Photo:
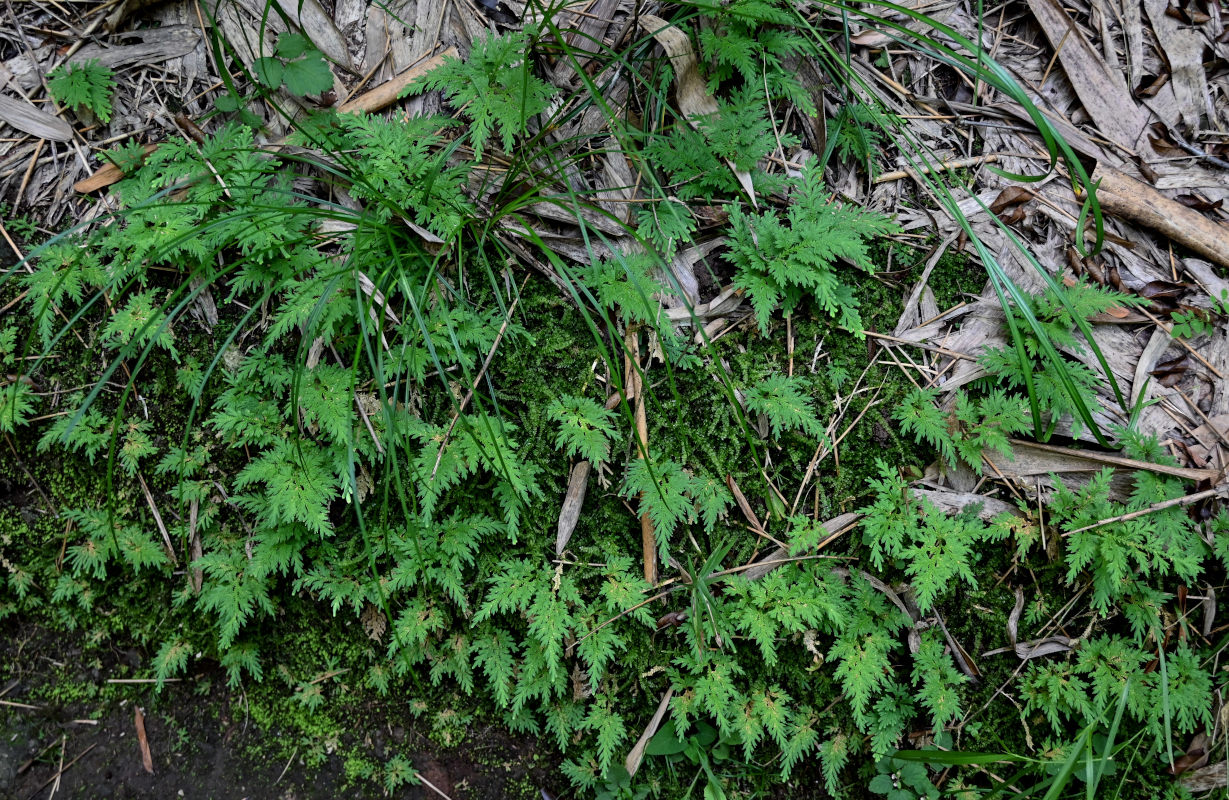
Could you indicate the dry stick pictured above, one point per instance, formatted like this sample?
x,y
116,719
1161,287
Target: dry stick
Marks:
x,y
166,537
431,786
773,563
1134,200
836,453
1177,501
944,166
55,787
897,363
478,378
286,768
63,768
622,614
386,93
820,454
756,526
30,761
943,351
25,179
635,378
19,297
15,704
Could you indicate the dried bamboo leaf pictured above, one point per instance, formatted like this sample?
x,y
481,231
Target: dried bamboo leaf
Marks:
x,y
690,88
573,502
636,756
1183,47
1032,459
1102,91
835,527
156,45
950,502
23,116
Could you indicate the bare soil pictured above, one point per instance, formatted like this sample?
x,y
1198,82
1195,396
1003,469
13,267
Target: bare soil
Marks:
x,y
203,747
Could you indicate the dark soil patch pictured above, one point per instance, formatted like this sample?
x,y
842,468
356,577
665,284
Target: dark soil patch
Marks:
x,y
203,746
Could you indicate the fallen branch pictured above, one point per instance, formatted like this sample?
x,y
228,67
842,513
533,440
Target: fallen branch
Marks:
x,y
1123,196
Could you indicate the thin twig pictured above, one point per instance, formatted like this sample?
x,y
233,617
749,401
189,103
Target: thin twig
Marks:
x,y
166,537
931,347
478,378
431,786
942,167
635,378
1164,504
15,704
1183,342
63,768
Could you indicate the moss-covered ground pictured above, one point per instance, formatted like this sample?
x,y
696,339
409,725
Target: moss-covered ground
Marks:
x,y
312,727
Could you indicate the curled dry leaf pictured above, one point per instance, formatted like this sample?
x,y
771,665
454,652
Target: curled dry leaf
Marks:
x,y
1169,373
1011,196
961,656
1195,757
1035,648
692,92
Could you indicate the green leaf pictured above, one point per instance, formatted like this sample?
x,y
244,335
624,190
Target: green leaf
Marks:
x,y
308,75
665,742
16,404
794,257
585,427
86,85
784,400
495,86
293,45
171,660
268,70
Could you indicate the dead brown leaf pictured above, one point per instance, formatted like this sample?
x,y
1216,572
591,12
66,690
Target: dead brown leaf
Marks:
x,y
147,758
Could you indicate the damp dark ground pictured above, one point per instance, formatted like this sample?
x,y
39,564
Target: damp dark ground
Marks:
x,y
61,719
